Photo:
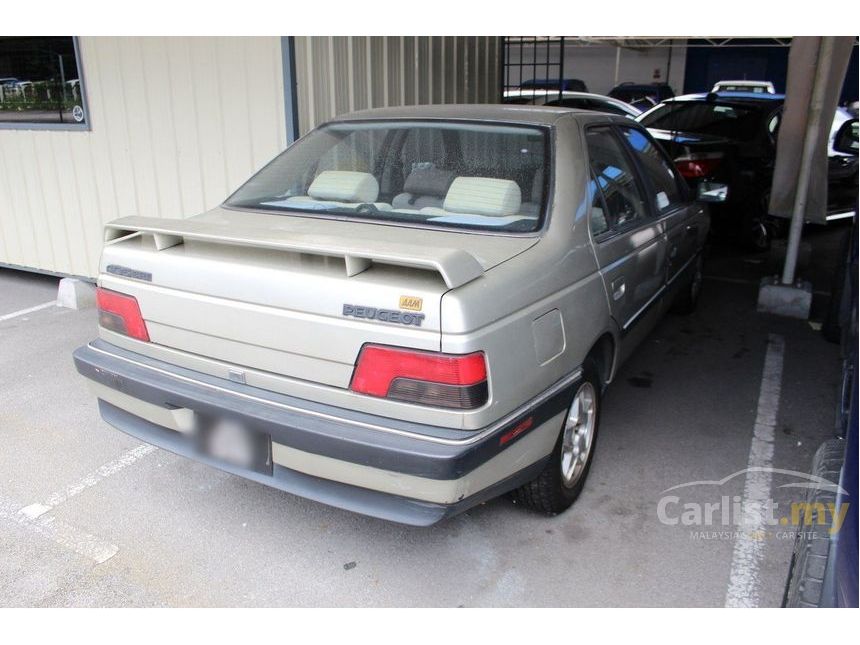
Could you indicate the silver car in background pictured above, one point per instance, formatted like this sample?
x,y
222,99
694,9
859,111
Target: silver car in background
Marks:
x,y
573,100
408,312
756,87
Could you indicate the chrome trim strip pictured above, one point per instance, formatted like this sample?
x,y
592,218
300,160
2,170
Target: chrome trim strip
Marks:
x,y
546,394
682,269
658,293
651,300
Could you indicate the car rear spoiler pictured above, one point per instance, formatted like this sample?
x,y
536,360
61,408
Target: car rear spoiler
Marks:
x,y
456,266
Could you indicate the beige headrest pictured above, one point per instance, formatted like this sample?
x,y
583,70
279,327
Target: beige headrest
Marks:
x,y
344,186
483,196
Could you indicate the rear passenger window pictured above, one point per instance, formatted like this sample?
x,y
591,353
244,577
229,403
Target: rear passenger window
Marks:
x,y
667,193
359,153
599,223
615,179
421,148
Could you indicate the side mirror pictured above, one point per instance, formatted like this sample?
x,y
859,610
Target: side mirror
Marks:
x,y
712,192
845,140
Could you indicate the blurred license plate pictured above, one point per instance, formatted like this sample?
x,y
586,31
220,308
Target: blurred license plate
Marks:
x,y
234,443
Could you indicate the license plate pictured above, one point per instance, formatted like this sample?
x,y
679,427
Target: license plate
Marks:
x,y
234,443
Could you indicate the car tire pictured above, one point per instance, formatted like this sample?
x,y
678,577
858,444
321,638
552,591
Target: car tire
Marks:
x,y
757,234
812,545
687,300
562,480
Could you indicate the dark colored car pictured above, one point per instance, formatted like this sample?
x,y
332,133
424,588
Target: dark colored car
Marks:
x,y
843,582
823,569
563,84
824,564
642,95
842,168
731,139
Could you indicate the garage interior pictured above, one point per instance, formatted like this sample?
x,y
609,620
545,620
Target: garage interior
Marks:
x,y
131,525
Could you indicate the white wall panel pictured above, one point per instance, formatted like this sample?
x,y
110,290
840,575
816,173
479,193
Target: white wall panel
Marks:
x,y
176,125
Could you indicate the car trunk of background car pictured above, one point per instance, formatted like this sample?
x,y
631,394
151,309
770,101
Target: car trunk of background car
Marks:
x,y
292,296
740,164
697,155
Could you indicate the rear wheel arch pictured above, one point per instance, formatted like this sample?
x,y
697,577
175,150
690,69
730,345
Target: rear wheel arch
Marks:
x,y
603,354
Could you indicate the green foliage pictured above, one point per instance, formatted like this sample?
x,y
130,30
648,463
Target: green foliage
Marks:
x,y
20,103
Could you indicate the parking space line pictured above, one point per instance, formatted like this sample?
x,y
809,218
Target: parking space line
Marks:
x,y
29,310
749,547
87,481
61,533
35,516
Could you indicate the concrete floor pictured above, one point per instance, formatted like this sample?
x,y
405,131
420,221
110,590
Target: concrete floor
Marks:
x,y
152,529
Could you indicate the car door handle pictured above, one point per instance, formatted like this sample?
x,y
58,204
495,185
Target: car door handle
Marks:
x,y
692,229
618,289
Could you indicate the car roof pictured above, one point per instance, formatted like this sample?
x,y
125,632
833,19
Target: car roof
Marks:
x,y
742,82
538,82
535,114
629,85
565,94
728,97
550,80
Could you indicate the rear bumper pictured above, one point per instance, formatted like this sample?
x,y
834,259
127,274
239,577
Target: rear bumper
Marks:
x,y
408,473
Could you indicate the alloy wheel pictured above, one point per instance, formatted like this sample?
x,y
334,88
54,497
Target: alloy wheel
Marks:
x,y
578,434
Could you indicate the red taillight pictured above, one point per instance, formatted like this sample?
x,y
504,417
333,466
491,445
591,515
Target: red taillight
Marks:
x,y
120,313
428,378
696,166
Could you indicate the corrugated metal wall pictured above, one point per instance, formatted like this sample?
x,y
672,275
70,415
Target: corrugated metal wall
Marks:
x,y
336,74
176,125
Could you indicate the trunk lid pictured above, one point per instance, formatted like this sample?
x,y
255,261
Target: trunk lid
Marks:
x,y
679,144
293,296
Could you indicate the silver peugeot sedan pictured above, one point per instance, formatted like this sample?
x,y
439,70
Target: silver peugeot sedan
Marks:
x,y
407,312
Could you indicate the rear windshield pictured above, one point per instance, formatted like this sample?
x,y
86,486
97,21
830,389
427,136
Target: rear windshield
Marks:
x,y
447,174
715,119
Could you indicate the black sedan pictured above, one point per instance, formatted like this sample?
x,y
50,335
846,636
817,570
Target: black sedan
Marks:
x,y
730,138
